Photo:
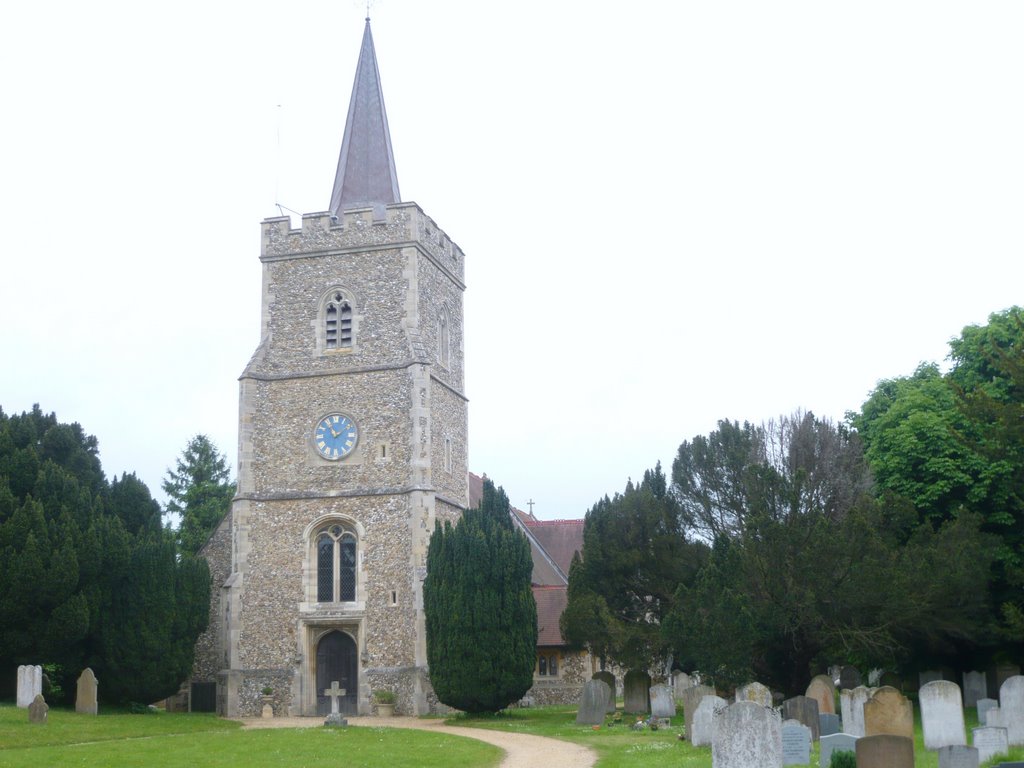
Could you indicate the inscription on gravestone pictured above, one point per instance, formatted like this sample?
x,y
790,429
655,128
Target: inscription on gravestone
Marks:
x,y
989,742
796,743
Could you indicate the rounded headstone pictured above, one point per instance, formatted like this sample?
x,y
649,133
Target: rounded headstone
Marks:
x,y
609,680
942,714
702,727
746,734
593,703
888,711
1011,704
823,690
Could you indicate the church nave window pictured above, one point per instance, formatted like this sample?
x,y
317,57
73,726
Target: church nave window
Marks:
x,y
335,565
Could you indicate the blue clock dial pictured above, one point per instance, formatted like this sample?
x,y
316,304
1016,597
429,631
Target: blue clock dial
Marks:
x,y
335,436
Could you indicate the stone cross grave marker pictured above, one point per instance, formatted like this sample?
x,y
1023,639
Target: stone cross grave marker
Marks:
x,y
663,704
805,710
885,751
851,703
990,741
1011,704
796,743
958,756
746,734
38,710
942,714
609,679
823,690
636,691
85,694
593,703
702,727
691,700
984,705
30,683
836,742
975,688
335,693
888,711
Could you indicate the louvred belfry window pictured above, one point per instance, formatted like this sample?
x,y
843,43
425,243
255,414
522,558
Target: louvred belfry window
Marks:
x,y
335,566
338,319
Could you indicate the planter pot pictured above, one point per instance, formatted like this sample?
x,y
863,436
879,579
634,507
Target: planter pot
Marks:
x,y
268,709
385,710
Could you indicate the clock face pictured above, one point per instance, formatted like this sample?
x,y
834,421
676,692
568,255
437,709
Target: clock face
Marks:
x,y
335,436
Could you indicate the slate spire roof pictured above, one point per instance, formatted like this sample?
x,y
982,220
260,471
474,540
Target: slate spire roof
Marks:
x,y
366,167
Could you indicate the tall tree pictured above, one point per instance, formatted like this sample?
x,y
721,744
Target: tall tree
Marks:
x,y
199,492
481,618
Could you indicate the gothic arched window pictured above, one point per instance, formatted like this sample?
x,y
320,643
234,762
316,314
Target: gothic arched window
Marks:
x,y
335,565
337,322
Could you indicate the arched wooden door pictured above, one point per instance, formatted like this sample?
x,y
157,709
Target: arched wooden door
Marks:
x,y
336,659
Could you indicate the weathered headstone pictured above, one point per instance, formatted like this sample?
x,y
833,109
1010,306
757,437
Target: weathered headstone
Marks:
x,y
851,702
804,710
885,751
663,704
593,703
929,676
703,720
823,690
892,680
755,692
994,718
30,683
836,742
989,742
984,705
958,756
85,695
636,691
828,724
609,679
849,677
942,714
334,693
746,734
796,743
974,688
680,682
888,711
1011,703
37,710
691,700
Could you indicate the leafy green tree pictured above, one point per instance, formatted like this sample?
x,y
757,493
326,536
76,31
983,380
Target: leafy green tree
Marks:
x,y
481,619
199,492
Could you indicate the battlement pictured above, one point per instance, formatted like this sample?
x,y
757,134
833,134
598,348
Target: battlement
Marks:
x,y
396,224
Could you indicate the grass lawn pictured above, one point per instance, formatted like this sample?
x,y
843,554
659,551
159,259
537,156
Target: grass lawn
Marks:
x,y
177,741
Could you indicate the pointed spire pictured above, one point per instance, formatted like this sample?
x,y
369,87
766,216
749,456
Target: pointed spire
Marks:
x,y
366,167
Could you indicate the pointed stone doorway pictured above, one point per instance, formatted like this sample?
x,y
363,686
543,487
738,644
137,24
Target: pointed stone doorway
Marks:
x,y
336,659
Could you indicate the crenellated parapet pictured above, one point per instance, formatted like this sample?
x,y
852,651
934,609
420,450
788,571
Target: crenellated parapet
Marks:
x,y
394,225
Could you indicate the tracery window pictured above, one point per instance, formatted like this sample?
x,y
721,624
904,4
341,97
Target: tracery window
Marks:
x,y
338,322
335,565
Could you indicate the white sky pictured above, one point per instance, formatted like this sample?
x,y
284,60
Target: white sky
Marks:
x,y
673,212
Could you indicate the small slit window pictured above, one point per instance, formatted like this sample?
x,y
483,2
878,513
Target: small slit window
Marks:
x,y
444,339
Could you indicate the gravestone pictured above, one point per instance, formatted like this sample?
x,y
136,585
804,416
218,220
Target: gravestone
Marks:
x,y
994,717
663,704
680,682
335,693
850,678
1002,673
37,710
984,705
746,734
828,724
823,690
609,679
804,710
1011,704
636,691
85,696
942,714
990,742
755,692
703,720
30,683
929,676
958,756
885,751
888,711
691,700
852,705
974,688
593,703
892,680
836,742
796,743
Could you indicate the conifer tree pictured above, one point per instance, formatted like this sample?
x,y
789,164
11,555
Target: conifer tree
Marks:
x,y
199,492
481,618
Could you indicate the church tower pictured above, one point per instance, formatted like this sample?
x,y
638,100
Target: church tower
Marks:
x,y
352,442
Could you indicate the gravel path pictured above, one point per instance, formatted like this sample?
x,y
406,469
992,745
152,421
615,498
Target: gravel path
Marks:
x,y
521,750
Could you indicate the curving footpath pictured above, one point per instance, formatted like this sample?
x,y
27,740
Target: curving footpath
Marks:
x,y
521,750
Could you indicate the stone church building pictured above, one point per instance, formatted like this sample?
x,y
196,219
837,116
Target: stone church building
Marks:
x,y
352,443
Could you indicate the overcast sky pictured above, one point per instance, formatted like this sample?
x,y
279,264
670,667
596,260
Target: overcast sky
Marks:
x,y
672,212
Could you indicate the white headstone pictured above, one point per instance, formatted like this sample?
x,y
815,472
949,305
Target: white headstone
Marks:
x,y
30,683
975,688
836,742
1011,703
746,734
989,742
958,756
703,718
984,705
994,718
663,704
680,682
796,743
942,714
851,703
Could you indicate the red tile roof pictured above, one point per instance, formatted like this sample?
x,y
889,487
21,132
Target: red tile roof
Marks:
x,y
551,601
560,539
